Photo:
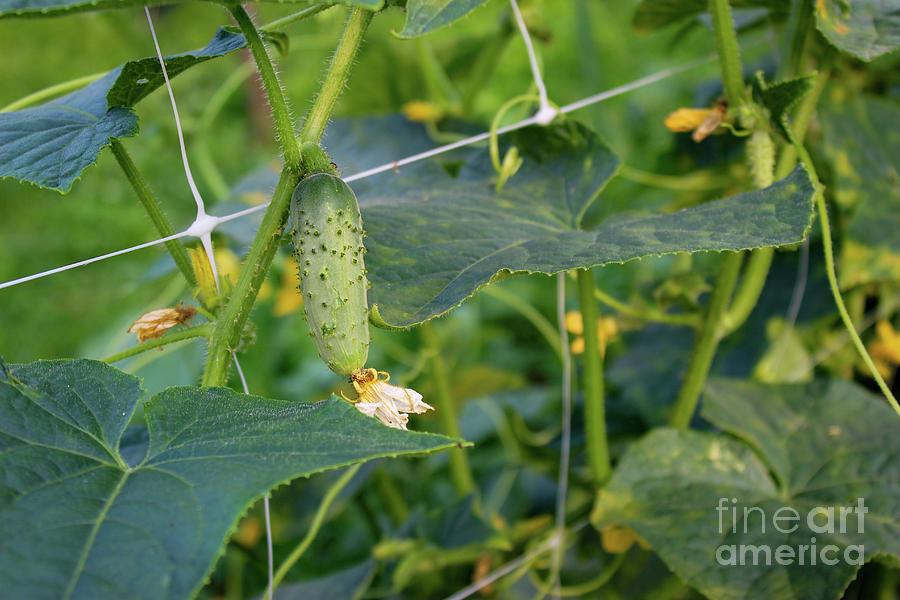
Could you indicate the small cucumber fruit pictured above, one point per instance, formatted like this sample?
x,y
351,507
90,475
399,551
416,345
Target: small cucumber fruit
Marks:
x,y
328,245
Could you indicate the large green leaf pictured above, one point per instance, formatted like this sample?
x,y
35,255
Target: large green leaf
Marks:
x,y
800,447
423,16
86,512
51,144
435,239
864,28
51,8
862,142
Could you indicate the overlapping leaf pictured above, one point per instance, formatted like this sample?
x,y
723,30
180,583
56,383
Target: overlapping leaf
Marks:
x,y
51,144
668,487
87,512
423,16
435,239
863,145
51,8
864,28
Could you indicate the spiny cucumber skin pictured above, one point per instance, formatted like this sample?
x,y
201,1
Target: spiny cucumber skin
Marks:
x,y
328,245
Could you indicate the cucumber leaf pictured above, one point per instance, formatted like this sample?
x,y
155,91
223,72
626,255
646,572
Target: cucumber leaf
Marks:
x,y
434,239
54,8
781,464
50,145
865,29
424,16
90,510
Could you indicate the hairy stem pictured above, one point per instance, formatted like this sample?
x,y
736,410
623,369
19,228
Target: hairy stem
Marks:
x,y
153,208
314,527
592,382
281,114
460,470
169,338
227,333
336,78
707,341
727,49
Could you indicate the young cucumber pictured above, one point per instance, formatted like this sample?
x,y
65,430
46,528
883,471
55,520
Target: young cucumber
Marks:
x,y
328,246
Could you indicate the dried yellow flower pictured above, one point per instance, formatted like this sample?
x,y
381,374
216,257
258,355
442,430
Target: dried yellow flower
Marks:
x,y
156,322
702,121
686,119
388,403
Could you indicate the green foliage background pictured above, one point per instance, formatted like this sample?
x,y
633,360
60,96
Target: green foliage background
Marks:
x,y
504,375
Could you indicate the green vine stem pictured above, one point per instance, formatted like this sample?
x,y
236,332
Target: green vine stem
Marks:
x,y
531,314
579,590
297,16
202,154
314,527
52,91
646,314
727,49
707,341
438,84
227,333
592,382
336,79
284,126
485,64
698,181
753,280
169,338
460,470
153,208
711,329
761,155
391,497
754,277
799,24
831,272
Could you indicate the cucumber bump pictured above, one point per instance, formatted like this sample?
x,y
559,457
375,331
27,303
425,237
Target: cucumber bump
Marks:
x,y
328,245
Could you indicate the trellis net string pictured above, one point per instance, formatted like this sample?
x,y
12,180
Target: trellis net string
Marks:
x,y
611,93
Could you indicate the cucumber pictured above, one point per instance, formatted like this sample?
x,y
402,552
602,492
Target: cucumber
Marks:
x,y
328,245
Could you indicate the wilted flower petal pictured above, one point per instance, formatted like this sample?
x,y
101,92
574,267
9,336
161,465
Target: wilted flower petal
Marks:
x,y
386,402
156,322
